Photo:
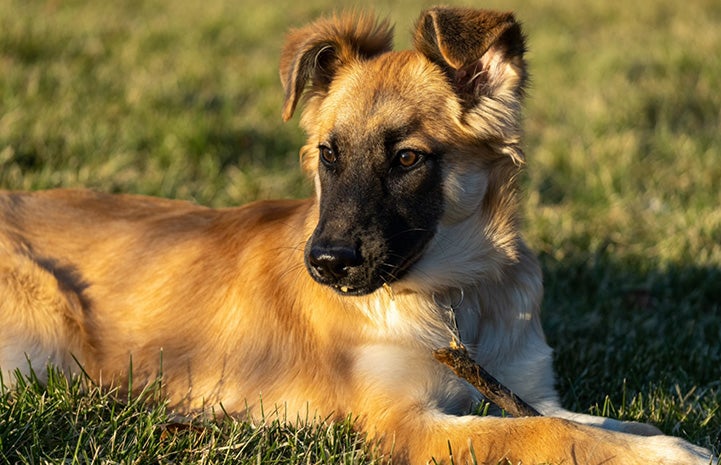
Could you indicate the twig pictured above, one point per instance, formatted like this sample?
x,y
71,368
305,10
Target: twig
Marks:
x,y
457,358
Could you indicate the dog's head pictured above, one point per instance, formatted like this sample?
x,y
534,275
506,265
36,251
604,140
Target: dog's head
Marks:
x,y
405,145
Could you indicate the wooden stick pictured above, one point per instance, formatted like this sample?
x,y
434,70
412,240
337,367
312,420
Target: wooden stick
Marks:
x,y
457,359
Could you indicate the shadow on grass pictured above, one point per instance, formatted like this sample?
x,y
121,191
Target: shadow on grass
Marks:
x,y
620,327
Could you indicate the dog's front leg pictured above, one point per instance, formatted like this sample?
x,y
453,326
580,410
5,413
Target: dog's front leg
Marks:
x,y
414,407
533,440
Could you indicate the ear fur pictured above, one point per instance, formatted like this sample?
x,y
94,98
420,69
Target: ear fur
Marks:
x,y
481,50
313,54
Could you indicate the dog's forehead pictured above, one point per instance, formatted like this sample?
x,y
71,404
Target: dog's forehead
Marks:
x,y
392,91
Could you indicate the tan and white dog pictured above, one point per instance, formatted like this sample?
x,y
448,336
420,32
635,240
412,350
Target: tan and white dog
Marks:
x,y
332,304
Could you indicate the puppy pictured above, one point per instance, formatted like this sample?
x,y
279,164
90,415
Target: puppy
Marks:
x,y
332,304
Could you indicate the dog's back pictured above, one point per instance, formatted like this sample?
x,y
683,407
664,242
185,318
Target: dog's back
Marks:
x,y
94,277
331,305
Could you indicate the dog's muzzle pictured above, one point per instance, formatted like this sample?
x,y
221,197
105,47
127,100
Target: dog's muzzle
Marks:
x,y
333,262
336,265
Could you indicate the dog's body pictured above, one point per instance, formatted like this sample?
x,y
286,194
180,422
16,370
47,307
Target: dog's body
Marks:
x,y
411,241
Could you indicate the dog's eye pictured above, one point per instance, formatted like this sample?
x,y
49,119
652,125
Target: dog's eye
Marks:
x,y
327,155
408,158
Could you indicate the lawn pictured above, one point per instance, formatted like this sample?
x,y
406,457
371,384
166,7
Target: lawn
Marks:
x,y
182,99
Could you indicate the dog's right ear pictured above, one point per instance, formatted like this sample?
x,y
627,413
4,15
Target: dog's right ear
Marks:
x,y
313,54
481,51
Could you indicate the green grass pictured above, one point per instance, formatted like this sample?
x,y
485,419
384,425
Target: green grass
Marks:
x,y
76,422
182,99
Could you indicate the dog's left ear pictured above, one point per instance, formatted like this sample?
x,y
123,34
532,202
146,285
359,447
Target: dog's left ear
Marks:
x,y
481,51
314,54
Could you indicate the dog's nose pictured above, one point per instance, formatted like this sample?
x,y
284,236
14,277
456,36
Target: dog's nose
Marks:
x,y
333,262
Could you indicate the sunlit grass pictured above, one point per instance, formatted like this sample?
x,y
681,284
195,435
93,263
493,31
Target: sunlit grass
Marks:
x,y
76,422
182,99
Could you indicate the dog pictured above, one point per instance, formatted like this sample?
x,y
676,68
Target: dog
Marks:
x,y
330,305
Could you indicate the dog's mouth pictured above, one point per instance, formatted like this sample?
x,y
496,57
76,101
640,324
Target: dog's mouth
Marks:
x,y
355,287
364,278
353,291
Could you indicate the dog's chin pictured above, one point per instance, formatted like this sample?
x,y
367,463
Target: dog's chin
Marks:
x,y
356,289
353,291
385,276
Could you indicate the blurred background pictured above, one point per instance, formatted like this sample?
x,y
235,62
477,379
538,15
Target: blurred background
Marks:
x,y
623,141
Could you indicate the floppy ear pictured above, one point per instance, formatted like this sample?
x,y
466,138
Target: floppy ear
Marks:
x,y
313,54
481,51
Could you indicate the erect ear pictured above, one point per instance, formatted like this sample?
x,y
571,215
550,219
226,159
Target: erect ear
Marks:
x,y
313,54
481,51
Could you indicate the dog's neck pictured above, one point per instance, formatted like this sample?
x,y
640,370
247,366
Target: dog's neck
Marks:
x,y
437,318
508,301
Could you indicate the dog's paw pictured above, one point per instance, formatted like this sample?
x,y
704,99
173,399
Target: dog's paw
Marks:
x,y
668,450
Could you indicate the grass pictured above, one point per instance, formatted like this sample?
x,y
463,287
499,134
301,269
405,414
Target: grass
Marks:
x,y
76,422
182,99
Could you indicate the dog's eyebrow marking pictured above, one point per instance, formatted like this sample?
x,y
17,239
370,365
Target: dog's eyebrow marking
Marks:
x,y
331,140
395,136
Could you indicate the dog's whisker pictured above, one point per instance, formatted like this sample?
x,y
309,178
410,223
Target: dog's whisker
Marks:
x,y
409,231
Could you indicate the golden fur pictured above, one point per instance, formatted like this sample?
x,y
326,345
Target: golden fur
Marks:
x,y
223,298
